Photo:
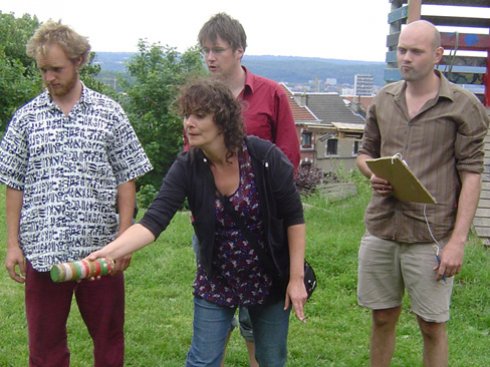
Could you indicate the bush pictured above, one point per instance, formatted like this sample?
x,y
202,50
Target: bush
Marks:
x,y
309,177
145,195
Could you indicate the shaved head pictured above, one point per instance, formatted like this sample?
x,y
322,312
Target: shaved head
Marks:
x,y
419,50
423,29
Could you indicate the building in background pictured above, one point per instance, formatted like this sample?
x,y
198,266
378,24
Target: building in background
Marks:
x,y
328,131
363,85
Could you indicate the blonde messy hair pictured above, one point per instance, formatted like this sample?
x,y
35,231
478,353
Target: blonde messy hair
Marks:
x,y
51,32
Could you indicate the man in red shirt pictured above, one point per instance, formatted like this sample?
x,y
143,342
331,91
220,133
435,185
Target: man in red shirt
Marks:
x,y
266,110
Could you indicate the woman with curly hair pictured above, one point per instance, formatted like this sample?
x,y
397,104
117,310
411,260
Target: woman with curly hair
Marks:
x,y
248,218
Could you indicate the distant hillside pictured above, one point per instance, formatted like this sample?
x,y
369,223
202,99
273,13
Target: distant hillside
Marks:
x,y
113,61
290,69
303,69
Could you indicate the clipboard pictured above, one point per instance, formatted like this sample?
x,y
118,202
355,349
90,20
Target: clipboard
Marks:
x,y
406,186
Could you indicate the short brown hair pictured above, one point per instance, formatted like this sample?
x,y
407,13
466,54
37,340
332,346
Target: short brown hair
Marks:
x,y
209,96
52,32
223,26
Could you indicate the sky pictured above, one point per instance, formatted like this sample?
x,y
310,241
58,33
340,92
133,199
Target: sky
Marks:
x,y
346,29
338,29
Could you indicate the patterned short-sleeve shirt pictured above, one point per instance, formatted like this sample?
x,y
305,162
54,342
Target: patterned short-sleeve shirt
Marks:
x,y
69,167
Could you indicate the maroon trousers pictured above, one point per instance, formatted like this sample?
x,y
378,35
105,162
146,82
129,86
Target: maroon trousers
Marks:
x,y
101,304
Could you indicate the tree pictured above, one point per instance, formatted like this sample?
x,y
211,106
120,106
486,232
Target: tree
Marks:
x,y
89,73
19,79
155,75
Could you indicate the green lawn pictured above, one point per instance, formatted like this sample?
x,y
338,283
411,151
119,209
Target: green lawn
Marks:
x,y
159,302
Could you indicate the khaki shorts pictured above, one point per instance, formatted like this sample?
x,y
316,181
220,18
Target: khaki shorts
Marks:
x,y
387,268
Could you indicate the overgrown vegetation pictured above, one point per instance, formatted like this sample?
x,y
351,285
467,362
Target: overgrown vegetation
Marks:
x,y
19,78
156,73
159,301
308,178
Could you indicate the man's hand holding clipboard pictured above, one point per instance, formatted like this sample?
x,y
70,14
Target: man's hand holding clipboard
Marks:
x,y
405,184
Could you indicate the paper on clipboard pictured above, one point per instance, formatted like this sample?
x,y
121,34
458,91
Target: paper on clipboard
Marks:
x,y
406,186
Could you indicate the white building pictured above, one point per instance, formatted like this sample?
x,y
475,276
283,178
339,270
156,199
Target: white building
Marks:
x,y
363,85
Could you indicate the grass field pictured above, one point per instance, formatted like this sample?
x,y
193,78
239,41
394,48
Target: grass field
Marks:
x,y
159,302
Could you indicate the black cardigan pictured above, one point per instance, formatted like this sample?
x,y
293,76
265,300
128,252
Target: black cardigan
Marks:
x,y
190,176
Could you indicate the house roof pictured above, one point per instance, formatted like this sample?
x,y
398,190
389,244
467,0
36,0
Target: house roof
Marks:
x,y
364,101
301,114
329,107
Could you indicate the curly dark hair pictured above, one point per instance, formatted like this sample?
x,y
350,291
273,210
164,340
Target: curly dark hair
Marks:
x,y
212,97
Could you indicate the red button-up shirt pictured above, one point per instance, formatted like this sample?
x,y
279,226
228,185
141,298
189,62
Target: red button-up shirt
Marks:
x,y
267,114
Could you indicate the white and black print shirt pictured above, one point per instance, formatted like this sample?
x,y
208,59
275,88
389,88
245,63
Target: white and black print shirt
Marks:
x,y
68,168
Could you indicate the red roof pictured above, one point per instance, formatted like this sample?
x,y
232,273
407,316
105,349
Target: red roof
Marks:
x,y
300,113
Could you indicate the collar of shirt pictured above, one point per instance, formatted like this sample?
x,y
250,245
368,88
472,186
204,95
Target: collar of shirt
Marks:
x,y
46,101
445,91
248,89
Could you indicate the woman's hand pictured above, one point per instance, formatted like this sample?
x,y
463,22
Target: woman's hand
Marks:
x,y
296,296
99,254
121,264
102,254
296,292
121,249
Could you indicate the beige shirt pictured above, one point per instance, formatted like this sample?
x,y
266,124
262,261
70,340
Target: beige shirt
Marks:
x,y
444,138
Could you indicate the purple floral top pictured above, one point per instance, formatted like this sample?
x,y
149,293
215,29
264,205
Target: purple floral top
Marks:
x,y
238,277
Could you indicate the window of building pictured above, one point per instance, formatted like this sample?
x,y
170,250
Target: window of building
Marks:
x,y
355,147
306,140
332,147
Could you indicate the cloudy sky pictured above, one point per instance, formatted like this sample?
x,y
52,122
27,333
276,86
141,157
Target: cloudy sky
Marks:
x,y
341,29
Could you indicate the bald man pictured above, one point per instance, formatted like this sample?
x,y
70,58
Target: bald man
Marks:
x,y
438,128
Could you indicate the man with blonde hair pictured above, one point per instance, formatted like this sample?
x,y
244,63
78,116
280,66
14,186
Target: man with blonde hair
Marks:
x,y
65,158
439,129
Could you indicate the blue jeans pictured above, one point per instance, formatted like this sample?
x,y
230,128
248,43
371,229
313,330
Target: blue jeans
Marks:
x,y
212,324
246,329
